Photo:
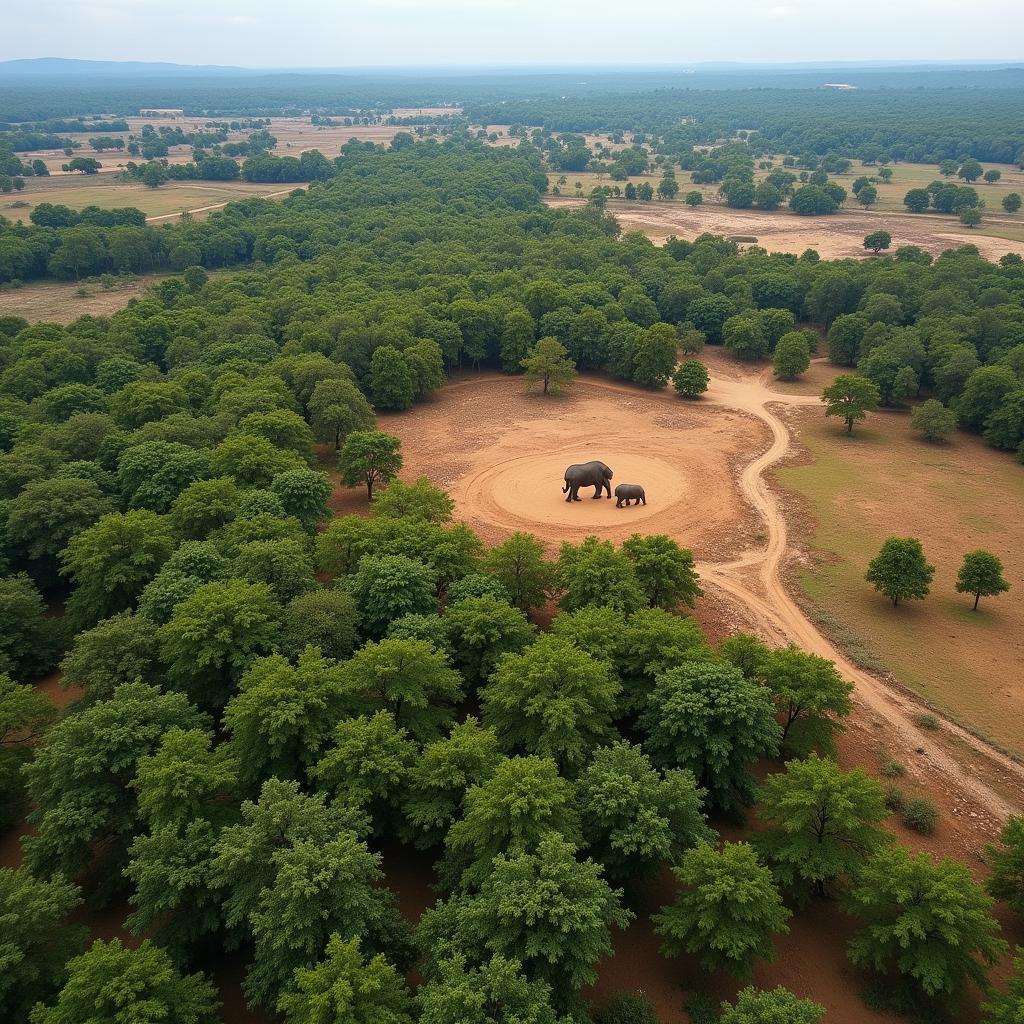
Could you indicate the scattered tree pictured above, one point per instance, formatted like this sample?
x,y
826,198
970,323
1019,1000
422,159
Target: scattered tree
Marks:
x,y
548,362
981,575
900,570
851,398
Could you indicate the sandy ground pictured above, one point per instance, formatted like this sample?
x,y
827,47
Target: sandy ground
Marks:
x,y
472,437
837,236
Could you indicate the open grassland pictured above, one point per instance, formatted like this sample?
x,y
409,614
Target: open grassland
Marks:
x,y
956,498
167,201
294,135
61,302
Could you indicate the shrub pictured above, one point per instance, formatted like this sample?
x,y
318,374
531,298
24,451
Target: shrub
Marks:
x,y
895,798
921,815
627,1008
926,720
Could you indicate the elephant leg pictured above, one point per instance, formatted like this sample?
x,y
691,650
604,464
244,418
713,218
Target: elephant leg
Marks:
x,y
598,491
568,493
575,494
644,499
618,503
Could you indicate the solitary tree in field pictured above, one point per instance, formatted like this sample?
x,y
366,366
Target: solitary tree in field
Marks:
x,y
877,240
694,198
900,570
690,378
370,457
1011,202
851,397
934,420
970,216
548,361
867,196
981,575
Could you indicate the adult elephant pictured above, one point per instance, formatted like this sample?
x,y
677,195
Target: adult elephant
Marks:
x,y
587,474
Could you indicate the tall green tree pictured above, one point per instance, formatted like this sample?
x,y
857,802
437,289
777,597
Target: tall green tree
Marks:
x,y
548,364
810,696
851,398
727,911
553,700
80,779
215,635
664,570
822,824
294,873
927,929
711,720
112,982
522,800
900,570
635,817
111,561
558,938
411,680
1007,863
495,992
981,575
438,781
371,458
392,384
775,1006
347,986
36,939
518,564
594,573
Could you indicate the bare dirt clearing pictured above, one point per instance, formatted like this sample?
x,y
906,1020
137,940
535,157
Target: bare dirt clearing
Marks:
x,y
837,236
472,438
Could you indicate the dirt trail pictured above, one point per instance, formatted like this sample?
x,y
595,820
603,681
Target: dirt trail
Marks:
x,y
754,581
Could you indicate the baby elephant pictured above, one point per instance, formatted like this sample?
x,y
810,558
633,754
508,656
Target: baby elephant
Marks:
x,y
624,492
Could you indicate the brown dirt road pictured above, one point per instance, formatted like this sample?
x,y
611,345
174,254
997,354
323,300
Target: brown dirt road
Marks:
x,y
754,580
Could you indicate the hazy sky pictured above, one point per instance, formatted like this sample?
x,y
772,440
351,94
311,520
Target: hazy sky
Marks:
x,y
359,32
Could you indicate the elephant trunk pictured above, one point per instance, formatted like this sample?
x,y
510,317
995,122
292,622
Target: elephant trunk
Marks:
x,y
565,489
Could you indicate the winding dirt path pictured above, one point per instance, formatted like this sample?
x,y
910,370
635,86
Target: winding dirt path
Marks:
x,y
754,581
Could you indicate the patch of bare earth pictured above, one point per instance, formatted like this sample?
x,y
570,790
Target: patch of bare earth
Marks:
x,y
837,236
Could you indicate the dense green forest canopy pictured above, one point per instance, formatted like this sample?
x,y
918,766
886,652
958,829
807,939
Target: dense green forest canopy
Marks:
x,y
270,697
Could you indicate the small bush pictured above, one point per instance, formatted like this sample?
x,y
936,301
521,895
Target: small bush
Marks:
x,y
627,1008
895,799
701,1008
921,815
926,720
893,769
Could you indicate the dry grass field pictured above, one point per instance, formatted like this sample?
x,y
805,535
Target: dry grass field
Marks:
x,y
294,135
955,497
165,202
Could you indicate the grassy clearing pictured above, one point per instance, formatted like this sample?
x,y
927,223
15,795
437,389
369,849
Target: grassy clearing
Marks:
x,y
172,198
955,498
